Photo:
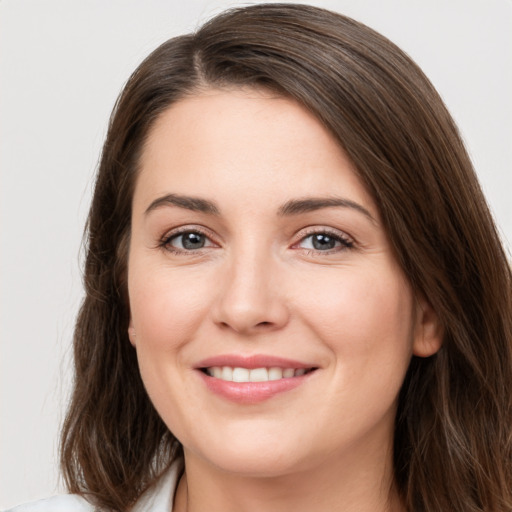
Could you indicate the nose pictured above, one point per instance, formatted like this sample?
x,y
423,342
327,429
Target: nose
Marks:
x,y
251,298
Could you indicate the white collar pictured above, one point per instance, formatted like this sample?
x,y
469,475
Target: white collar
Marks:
x,y
160,496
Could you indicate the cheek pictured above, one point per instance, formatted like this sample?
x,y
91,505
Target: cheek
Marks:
x,y
363,315
364,319
166,304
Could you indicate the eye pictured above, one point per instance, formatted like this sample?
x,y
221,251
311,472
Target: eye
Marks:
x,y
185,241
325,241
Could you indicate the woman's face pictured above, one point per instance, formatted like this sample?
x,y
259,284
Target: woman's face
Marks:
x,y
257,255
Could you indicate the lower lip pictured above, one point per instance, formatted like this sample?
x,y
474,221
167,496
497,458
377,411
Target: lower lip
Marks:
x,y
252,392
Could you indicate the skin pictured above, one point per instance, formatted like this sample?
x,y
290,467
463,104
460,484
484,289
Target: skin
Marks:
x,y
259,286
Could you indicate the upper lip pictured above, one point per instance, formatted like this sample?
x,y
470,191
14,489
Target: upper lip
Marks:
x,y
252,361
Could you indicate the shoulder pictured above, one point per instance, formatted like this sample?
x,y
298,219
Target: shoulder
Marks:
x,y
158,498
64,503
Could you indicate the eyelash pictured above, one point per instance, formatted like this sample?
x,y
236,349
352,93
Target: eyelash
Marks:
x,y
165,242
344,241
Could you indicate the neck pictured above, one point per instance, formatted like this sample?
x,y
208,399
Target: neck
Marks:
x,y
346,483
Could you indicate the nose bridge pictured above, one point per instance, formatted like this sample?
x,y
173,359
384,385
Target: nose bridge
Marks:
x,y
250,299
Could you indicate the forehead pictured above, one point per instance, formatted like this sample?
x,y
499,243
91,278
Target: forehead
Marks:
x,y
244,143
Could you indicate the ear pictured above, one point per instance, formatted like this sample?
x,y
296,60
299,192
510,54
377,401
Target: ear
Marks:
x,y
131,332
428,334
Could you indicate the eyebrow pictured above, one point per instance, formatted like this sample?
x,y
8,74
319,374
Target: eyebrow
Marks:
x,y
195,204
290,208
309,204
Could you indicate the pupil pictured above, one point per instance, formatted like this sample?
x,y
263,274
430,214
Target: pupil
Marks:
x,y
323,242
193,241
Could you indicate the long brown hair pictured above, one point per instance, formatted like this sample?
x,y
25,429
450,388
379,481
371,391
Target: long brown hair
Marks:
x,y
452,446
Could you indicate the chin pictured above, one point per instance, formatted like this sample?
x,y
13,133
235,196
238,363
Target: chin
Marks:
x,y
252,457
255,465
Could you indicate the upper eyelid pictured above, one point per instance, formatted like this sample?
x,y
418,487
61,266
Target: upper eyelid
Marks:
x,y
305,231
189,228
308,231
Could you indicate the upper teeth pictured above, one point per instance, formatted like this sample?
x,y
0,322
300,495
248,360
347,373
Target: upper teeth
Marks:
x,y
254,375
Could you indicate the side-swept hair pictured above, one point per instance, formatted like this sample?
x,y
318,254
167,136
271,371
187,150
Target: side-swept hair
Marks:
x,y
452,444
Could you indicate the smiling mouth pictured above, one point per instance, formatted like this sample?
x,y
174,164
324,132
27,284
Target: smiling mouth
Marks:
x,y
239,374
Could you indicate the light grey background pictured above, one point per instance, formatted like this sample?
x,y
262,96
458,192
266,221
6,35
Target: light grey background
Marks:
x,y
62,64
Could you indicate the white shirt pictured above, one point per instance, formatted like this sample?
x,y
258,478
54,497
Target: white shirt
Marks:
x,y
158,498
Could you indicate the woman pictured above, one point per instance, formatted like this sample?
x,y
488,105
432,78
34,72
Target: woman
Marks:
x,y
295,293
